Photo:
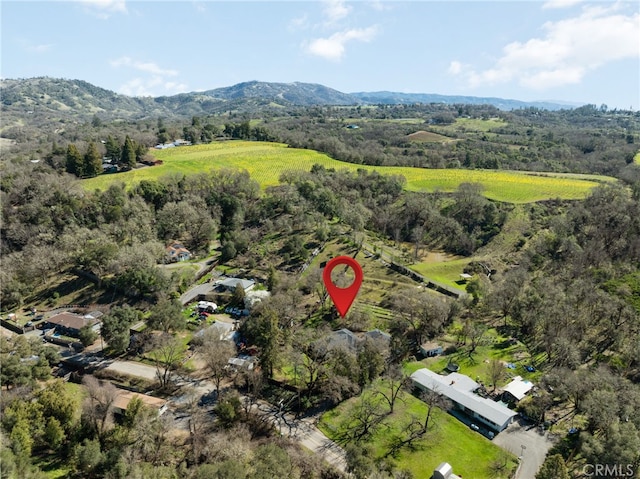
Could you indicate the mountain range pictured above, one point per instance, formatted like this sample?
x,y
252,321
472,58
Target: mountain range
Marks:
x,y
78,100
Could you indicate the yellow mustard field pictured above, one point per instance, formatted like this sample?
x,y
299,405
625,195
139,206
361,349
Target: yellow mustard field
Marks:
x,y
266,162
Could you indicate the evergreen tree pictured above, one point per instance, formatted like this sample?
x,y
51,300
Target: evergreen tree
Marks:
x,y
92,161
553,468
113,148
74,160
128,157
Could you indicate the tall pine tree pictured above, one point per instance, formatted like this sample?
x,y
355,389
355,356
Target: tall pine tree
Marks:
x,y
128,157
113,149
92,161
74,161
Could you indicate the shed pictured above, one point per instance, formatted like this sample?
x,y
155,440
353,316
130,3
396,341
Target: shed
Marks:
x,y
518,388
444,471
431,349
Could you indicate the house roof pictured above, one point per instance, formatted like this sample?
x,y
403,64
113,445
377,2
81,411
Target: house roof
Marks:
x,y
231,283
342,337
459,388
125,397
177,248
225,330
518,387
378,335
72,321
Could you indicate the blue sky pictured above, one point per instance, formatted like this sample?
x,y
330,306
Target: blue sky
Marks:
x,y
567,50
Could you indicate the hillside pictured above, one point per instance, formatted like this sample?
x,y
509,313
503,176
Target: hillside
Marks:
x,y
396,98
46,103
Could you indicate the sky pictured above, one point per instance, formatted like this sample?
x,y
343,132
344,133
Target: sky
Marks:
x,y
562,50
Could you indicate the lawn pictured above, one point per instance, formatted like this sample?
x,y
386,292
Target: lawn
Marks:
x,y
494,346
266,162
469,453
447,272
636,159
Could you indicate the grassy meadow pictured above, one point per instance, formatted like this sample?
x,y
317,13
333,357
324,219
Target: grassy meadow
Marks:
x,y
266,162
470,454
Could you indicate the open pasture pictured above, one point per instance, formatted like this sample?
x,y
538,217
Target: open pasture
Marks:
x,y
428,137
266,162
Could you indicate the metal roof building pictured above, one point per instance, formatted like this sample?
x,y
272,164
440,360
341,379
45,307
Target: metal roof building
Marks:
x,y
459,389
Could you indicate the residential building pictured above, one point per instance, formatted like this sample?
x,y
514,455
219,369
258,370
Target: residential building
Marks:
x,y
461,391
431,349
177,252
124,398
230,284
70,324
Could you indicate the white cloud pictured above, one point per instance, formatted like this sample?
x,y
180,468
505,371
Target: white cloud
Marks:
x,y
157,82
334,47
104,8
148,67
569,50
39,48
335,10
561,3
455,68
154,86
299,23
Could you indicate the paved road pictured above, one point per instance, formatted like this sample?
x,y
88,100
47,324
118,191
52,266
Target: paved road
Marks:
x,y
536,444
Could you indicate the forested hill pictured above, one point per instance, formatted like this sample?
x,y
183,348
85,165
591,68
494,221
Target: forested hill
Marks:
x,y
34,101
396,98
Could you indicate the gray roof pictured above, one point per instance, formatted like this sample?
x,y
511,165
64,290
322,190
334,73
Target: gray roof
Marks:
x,y
459,389
231,283
378,335
342,337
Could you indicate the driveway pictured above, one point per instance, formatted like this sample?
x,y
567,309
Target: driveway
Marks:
x,y
536,444
133,369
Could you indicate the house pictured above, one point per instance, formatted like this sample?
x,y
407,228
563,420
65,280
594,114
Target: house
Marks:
x,y
431,349
70,324
177,252
242,361
343,338
230,284
124,398
219,330
517,389
465,277
379,336
460,390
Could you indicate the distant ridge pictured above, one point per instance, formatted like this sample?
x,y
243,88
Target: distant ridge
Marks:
x,y
48,100
396,98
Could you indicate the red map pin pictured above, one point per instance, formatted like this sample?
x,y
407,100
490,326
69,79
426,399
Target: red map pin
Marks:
x,y
342,297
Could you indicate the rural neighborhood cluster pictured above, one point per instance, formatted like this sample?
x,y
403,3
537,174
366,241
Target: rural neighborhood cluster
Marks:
x,y
164,313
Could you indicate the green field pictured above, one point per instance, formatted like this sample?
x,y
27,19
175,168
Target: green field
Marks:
x,y
449,440
265,162
636,159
